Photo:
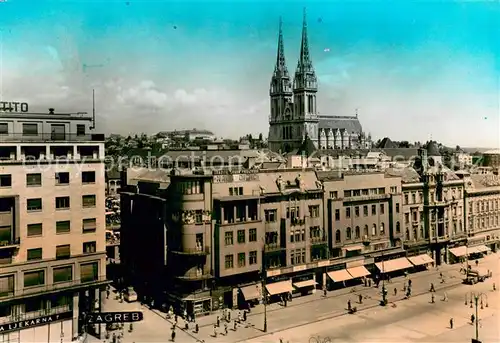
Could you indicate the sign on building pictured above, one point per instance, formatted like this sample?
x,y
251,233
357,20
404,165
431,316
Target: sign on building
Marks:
x,y
29,323
13,106
114,317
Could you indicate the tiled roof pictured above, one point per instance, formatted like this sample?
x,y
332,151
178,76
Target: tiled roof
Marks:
x,y
350,124
158,175
485,180
408,174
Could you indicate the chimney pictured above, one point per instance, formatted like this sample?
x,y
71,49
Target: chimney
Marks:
x,y
51,111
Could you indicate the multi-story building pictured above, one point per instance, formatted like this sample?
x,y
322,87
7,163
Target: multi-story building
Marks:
x,y
52,225
482,211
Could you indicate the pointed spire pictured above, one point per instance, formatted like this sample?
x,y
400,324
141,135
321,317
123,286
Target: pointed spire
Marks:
x,y
280,69
305,68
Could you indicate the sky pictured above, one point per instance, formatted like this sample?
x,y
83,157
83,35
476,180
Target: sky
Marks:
x,y
415,70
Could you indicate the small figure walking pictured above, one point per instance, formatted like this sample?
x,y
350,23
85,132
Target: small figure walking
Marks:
x,y
173,336
225,329
218,321
215,331
445,296
360,299
395,291
451,323
349,305
432,288
196,328
472,318
324,292
234,325
494,287
107,293
432,298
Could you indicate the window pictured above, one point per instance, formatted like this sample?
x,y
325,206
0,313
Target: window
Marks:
x,y
348,233
4,128
30,129
374,210
34,179
6,285
80,129
63,252
252,235
337,236
374,229
333,195
406,199
35,278
89,247
413,198
398,227
314,211
241,236
252,257
228,238
241,259
365,211
382,229
365,231
397,207
88,200
271,215
89,272
34,229
63,226
348,212
229,261
62,178
407,218
34,254
337,215
89,225
62,274
5,180
235,191
357,233
62,203
356,211
382,209
88,177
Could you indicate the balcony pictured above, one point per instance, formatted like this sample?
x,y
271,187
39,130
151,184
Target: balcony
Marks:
x,y
50,137
318,240
10,244
52,288
200,250
196,275
273,247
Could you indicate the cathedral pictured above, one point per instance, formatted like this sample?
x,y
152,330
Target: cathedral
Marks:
x,y
294,116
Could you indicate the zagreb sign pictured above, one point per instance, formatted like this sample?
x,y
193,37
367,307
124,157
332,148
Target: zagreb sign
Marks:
x,y
13,106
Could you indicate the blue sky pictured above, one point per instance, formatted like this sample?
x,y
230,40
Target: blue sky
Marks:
x,y
415,69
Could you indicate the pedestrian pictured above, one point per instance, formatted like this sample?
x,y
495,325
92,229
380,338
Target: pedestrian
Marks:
x,y
285,302
244,316
349,305
229,316
107,293
494,287
175,319
173,335
445,296
432,288
225,329
472,318
186,325
451,323
324,292
477,263
360,299
196,328
432,298
369,282
395,291
409,283
215,331
218,321
185,314
234,325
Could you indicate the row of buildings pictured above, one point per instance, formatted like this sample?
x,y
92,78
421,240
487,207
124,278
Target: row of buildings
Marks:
x,y
211,238
52,225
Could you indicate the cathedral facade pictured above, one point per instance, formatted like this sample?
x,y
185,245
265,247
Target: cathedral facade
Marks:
x,y
294,115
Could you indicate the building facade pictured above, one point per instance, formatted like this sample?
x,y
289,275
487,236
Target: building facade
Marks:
x,y
52,225
294,114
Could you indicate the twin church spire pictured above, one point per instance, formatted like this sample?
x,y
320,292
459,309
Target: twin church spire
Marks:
x,y
305,76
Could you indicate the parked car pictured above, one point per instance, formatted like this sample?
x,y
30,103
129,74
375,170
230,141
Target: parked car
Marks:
x,y
130,295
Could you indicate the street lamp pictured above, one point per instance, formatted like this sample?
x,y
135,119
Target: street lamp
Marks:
x,y
476,299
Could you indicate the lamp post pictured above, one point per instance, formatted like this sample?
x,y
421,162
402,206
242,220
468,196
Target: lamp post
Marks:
x,y
476,299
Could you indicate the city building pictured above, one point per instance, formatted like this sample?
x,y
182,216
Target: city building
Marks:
x,y
52,225
294,114
482,211
491,158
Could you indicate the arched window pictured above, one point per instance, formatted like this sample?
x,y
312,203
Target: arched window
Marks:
x,y
365,231
357,232
348,233
337,236
407,234
398,227
374,229
382,229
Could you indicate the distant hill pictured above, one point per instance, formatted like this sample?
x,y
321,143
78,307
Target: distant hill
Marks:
x,y
473,150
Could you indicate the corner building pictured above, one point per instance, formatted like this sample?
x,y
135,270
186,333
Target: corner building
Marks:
x,y
52,227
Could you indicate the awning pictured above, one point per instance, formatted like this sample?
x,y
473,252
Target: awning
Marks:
x,y
420,260
279,287
479,249
459,251
359,271
306,283
393,265
354,248
339,275
251,292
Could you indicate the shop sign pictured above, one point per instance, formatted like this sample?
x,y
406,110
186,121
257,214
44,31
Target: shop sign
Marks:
x,y
13,106
114,317
29,323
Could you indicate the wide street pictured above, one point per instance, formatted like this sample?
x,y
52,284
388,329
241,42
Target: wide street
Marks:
x,y
413,320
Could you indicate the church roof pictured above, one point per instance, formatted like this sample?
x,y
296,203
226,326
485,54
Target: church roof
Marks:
x,y
348,123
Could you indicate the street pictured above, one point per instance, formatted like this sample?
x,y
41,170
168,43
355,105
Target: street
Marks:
x,y
412,320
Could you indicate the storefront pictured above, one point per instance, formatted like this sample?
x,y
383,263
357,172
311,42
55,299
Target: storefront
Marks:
x,y
420,262
276,289
458,254
393,267
249,295
52,328
304,285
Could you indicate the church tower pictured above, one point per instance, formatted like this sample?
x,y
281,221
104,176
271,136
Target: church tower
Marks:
x,y
280,92
305,87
